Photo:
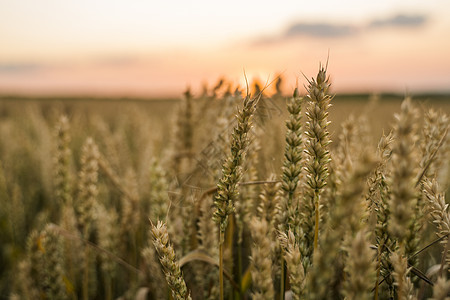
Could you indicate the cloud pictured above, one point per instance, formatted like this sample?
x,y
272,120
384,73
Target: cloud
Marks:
x,y
26,67
312,30
117,60
16,68
323,30
320,30
400,21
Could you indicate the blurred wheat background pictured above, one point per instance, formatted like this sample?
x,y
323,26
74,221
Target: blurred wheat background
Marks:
x,y
81,178
238,150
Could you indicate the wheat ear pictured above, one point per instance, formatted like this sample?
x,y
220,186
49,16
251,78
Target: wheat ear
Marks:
x,y
227,188
316,148
168,260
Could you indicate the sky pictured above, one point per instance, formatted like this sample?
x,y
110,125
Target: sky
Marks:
x,y
159,48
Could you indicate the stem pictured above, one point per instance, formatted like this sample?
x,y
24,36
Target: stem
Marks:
x,y
86,275
377,284
282,279
70,269
108,288
444,256
221,240
228,242
316,227
238,294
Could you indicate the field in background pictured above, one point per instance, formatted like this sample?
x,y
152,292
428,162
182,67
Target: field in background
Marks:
x,y
127,160
380,109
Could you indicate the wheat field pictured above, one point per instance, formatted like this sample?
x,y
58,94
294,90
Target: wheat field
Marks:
x,y
226,195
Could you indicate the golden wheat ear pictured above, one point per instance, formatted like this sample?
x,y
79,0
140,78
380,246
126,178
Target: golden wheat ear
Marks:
x,y
404,172
262,262
62,162
227,187
87,188
289,216
316,151
169,262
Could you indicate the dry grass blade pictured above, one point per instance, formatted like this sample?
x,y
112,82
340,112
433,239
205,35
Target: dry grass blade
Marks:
x,y
199,255
109,172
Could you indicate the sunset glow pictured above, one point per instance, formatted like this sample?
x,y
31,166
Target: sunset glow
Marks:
x,y
154,49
